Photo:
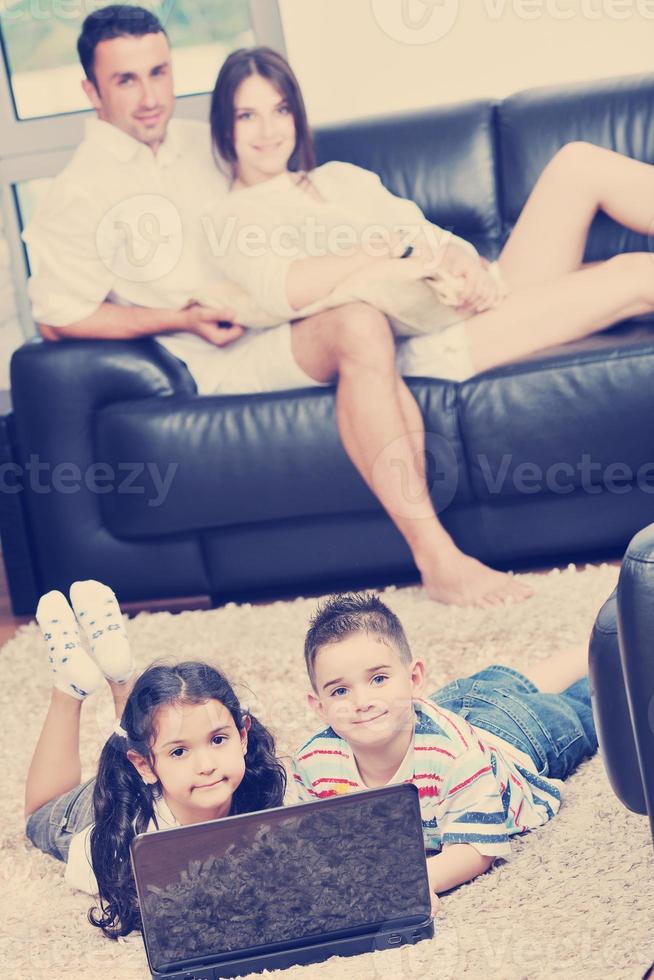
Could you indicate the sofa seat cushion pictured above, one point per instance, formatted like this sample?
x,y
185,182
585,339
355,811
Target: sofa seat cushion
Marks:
x,y
572,418
192,463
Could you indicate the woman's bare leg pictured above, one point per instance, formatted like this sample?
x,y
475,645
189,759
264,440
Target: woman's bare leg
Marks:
x,y
575,305
550,235
559,671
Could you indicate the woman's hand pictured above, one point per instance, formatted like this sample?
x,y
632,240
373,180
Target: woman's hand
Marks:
x,y
480,290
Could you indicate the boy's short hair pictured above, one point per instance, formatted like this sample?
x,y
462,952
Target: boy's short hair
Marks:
x,y
116,20
341,616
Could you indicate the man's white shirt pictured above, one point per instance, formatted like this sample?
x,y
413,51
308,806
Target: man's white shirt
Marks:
x,y
124,225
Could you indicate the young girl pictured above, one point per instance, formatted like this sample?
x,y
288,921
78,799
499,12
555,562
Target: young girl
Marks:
x,y
182,751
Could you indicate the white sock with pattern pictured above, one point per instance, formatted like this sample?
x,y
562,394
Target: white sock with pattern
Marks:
x,y
101,621
73,671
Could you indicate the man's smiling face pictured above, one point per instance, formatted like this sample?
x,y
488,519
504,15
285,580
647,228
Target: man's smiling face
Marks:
x,y
134,86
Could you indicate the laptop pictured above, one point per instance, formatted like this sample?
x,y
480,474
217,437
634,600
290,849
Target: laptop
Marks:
x,y
291,885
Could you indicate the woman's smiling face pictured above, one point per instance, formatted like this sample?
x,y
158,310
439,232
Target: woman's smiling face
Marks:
x,y
264,131
199,759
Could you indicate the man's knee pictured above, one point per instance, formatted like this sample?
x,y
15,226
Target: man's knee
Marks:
x,y
362,331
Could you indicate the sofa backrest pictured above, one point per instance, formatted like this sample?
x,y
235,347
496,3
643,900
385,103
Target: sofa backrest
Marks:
x,y
617,113
471,166
442,158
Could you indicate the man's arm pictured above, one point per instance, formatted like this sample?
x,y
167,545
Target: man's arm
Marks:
x,y
113,322
456,864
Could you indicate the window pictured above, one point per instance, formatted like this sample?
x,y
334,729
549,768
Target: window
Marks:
x,y
43,108
41,56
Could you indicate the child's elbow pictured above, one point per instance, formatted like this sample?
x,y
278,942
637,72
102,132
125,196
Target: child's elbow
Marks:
x,y
485,862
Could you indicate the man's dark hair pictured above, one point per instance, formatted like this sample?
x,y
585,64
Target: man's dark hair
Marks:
x,y
343,615
117,20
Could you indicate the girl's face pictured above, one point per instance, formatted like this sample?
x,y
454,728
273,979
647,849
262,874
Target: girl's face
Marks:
x,y
199,759
264,131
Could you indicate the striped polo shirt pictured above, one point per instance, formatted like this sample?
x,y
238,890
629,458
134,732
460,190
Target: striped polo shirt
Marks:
x,y
474,787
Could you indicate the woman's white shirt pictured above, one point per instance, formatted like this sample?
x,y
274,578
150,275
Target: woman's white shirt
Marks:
x,y
261,230
79,870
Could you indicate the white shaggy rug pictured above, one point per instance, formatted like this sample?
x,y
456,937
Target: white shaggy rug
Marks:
x,y
576,901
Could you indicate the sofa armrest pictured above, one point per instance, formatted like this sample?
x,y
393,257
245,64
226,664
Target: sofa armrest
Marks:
x,y
57,388
611,709
635,631
91,373
58,392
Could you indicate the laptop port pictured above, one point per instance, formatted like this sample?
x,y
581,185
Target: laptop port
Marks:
x,y
395,939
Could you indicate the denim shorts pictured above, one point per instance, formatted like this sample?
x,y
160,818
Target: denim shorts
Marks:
x,y
556,730
52,826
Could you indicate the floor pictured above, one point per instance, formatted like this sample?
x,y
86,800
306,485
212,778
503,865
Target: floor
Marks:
x,y
10,623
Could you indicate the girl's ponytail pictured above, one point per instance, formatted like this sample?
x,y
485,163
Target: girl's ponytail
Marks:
x,y
264,783
123,808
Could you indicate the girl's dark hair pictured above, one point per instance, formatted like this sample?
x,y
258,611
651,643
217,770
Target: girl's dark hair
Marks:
x,y
116,20
123,803
271,65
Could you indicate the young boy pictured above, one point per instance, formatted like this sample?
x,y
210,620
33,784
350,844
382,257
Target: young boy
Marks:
x,y
487,753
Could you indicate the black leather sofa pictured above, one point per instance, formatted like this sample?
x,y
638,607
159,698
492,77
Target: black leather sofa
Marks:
x,y
621,669
544,460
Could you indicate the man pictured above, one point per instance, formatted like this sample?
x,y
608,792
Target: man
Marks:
x,y
115,255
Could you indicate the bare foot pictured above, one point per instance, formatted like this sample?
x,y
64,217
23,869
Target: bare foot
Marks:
x,y
460,580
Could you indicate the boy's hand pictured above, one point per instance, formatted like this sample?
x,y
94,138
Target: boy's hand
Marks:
x,y
454,865
432,869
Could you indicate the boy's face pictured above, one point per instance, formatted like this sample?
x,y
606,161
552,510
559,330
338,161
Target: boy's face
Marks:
x,y
364,691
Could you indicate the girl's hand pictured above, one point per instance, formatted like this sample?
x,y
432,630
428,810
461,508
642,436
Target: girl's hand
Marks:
x,y
480,290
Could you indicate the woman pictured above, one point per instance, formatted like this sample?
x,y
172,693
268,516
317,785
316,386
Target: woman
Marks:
x,y
539,293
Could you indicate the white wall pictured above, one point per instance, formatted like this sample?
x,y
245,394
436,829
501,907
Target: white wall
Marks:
x,y
355,58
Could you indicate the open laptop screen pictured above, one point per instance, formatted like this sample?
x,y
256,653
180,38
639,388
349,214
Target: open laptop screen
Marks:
x,y
278,878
